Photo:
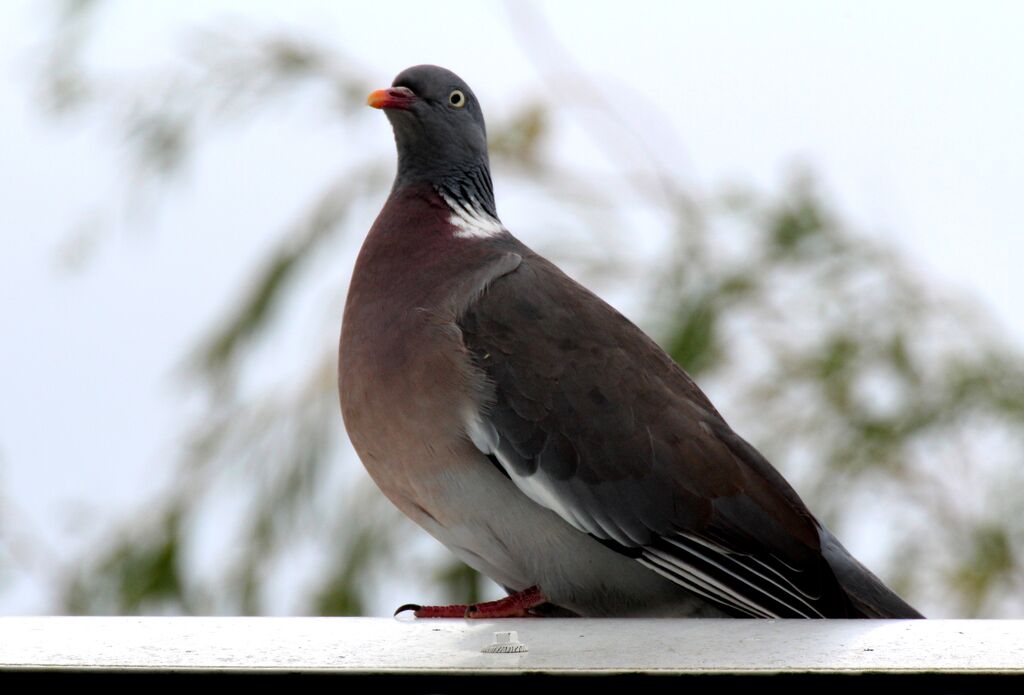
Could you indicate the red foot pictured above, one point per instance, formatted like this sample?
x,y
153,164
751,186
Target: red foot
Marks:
x,y
517,605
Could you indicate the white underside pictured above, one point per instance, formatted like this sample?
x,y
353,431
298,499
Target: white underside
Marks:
x,y
519,543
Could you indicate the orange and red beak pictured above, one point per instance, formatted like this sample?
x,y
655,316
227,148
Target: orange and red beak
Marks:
x,y
392,98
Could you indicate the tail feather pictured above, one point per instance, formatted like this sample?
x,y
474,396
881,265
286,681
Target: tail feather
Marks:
x,y
867,594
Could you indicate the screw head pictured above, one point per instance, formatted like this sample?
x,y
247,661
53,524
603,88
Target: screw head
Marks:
x,y
505,643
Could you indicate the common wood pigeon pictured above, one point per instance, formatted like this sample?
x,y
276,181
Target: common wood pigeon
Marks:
x,y
540,435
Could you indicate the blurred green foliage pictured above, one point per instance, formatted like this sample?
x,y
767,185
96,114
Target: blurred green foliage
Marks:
x,y
897,410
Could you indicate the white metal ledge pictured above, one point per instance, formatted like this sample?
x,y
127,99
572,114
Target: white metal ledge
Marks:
x,y
375,646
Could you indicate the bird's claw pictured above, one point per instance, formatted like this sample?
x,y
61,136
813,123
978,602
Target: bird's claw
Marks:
x,y
407,607
520,604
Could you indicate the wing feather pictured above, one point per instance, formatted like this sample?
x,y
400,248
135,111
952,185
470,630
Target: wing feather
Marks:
x,y
591,419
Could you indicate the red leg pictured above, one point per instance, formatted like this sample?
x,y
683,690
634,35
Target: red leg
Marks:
x,y
456,611
517,605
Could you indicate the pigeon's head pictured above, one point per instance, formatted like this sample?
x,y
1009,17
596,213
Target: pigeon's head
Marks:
x,y
438,123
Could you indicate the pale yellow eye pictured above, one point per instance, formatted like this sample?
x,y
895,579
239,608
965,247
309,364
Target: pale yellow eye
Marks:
x,y
457,99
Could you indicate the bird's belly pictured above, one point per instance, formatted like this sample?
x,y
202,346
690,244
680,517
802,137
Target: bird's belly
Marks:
x,y
438,478
508,537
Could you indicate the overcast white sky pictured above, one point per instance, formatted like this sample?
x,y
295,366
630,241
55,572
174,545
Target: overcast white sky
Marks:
x,y
911,112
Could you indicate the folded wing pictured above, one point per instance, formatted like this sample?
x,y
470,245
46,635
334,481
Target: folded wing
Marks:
x,y
593,420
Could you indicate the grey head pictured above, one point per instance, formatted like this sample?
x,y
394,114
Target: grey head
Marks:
x,y
440,133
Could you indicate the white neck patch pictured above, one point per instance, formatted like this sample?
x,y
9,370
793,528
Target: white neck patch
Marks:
x,y
470,220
